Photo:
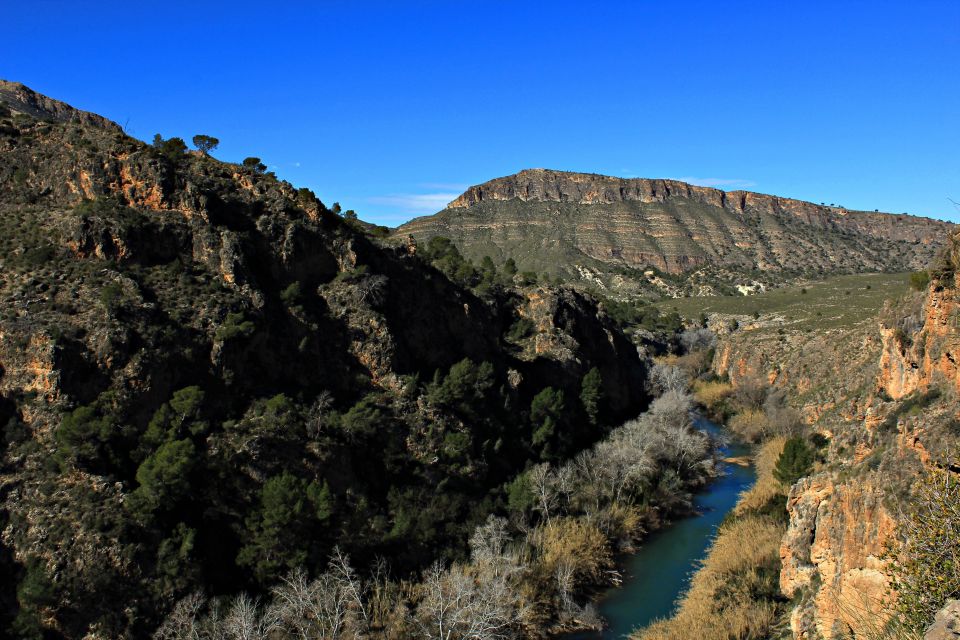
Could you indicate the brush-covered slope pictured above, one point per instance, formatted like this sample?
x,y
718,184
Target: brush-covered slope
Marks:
x,y
206,379
563,222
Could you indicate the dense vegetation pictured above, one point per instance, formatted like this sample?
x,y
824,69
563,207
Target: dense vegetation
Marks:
x,y
529,570
212,379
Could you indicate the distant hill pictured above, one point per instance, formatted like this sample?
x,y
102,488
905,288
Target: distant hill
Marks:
x,y
591,226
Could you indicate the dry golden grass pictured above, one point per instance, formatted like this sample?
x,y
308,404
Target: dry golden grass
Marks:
x,y
709,394
577,543
766,486
750,424
732,595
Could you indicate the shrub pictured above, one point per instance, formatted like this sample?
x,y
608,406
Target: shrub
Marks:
x,y
164,477
750,424
576,543
280,528
235,325
84,437
546,411
591,394
520,329
927,572
291,295
172,149
464,389
920,280
254,164
711,393
795,462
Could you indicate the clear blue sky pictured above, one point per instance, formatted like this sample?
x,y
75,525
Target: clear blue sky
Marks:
x,y
392,108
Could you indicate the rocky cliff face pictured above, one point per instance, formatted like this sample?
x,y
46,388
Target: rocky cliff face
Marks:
x,y
882,392
922,348
548,219
832,558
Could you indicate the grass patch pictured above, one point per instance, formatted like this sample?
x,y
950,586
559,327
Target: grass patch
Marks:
x,y
837,302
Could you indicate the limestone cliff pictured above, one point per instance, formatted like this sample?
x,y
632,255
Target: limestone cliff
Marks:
x,y
922,348
553,220
882,392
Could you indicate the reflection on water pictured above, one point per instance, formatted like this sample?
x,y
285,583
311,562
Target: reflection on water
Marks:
x,y
655,576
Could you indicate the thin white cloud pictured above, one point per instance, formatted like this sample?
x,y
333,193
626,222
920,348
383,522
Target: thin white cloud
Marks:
x,y
415,202
720,183
445,186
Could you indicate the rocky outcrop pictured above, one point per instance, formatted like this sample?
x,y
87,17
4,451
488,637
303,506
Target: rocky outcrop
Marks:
x,y
921,349
832,554
21,98
946,626
882,392
546,220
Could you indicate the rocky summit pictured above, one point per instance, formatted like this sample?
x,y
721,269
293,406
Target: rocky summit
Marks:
x,y
585,225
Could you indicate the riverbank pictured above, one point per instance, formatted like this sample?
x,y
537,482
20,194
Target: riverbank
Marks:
x,y
735,593
659,571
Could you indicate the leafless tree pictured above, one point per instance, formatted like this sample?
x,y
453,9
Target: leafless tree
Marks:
x,y
184,622
565,574
667,377
700,339
329,607
542,484
458,606
245,621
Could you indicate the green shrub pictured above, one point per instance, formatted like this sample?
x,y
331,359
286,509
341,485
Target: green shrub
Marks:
x,y
280,530
234,326
795,462
291,295
254,164
520,329
927,571
164,477
84,439
546,412
465,388
591,394
920,280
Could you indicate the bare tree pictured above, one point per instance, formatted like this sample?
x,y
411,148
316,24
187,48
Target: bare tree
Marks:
x,y
331,606
667,377
244,620
458,606
184,622
700,339
542,484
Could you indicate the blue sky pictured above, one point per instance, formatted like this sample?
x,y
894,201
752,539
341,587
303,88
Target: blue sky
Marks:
x,y
393,108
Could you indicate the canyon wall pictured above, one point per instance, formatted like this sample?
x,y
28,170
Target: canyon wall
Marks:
x,y
883,391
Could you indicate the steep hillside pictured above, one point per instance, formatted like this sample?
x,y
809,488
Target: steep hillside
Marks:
x,y
610,230
207,378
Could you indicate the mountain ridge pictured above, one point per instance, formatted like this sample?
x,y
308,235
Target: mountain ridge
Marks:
x,y
642,189
563,223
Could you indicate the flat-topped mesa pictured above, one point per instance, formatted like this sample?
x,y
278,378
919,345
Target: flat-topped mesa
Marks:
x,y
22,98
553,220
547,185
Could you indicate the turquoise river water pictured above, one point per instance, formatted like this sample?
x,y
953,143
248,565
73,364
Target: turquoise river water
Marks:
x,y
660,571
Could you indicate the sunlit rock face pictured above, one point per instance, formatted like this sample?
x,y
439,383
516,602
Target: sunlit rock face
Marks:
x,y
541,217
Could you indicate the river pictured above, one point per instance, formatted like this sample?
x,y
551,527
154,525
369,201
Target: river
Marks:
x,y
658,573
